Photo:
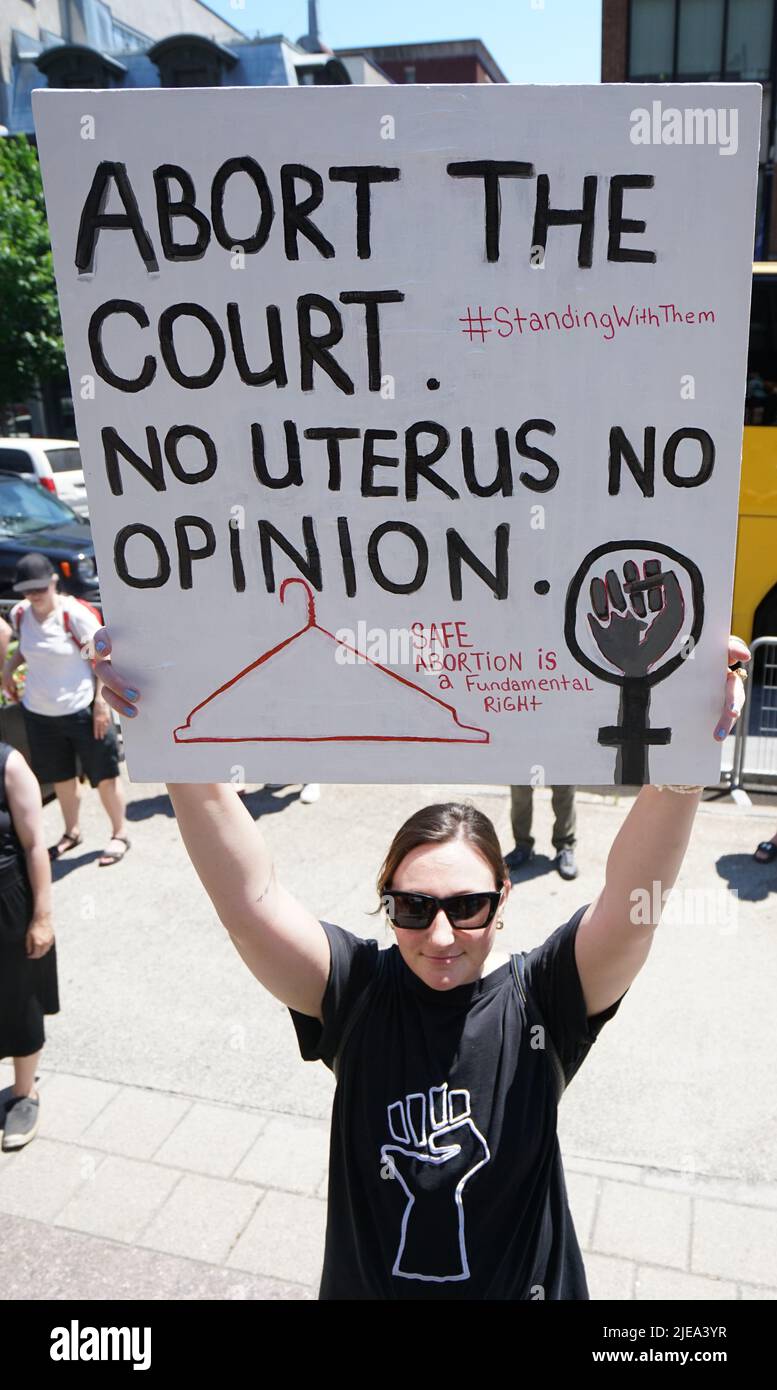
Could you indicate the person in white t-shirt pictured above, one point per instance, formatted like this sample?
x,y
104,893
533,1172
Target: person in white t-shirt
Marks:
x,y
64,715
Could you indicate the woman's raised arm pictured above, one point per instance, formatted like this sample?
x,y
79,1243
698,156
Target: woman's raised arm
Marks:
x,y
281,941
613,938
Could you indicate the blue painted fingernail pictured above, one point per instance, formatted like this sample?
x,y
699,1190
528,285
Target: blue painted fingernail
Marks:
x,y
130,712
720,732
100,646
131,694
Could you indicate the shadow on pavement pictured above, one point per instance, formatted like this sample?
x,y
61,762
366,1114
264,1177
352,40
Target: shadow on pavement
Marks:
x,y
536,867
259,803
60,868
150,806
746,877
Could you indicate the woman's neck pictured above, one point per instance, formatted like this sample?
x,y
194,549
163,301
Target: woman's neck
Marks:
x,y
493,962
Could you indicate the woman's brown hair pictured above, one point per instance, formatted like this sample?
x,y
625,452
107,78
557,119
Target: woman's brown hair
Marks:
x,y
433,825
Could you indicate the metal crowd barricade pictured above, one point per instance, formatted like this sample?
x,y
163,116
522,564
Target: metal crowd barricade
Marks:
x,y
755,747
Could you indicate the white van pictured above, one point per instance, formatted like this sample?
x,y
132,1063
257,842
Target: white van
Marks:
x,y
56,463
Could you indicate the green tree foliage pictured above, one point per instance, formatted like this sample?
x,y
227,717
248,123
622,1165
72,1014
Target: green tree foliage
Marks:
x,y
31,346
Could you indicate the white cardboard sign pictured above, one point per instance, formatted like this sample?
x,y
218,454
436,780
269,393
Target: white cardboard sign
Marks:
x,y
411,421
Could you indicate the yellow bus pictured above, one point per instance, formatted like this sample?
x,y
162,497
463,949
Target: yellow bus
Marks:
x,y
755,578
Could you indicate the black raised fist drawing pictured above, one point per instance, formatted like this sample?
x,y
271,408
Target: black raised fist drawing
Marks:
x,y
631,635
438,1148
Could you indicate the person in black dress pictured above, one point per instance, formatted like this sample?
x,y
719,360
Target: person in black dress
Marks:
x,y
28,959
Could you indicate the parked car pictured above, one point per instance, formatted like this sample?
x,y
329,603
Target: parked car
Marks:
x,y
56,463
32,518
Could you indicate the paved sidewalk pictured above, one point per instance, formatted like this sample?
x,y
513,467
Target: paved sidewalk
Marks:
x,y
129,1193
183,1143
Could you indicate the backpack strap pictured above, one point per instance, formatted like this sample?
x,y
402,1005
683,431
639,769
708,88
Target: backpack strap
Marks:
x,y
358,1011
15,615
517,962
69,630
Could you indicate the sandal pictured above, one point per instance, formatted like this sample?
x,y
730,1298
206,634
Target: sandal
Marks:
x,y
112,856
65,842
766,852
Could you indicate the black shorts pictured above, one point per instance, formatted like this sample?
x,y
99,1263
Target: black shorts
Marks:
x,y
56,739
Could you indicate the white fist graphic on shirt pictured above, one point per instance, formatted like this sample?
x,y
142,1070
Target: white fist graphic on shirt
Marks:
x,y
438,1149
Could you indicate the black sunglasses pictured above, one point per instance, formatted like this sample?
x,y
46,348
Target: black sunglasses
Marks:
x,y
417,911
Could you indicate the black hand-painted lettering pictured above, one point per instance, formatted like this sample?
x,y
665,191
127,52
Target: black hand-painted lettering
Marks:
x,y
545,216
309,564
168,208
121,541
186,551
172,440
422,465
295,215
276,370
491,171
398,528
167,320
371,461
314,348
94,334
371,299
619,224
497,580
621,448
503,477
363,176
114,445
94,219
333,438
243,164
706,463
530,451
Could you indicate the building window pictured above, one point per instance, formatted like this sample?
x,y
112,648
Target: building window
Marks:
x,y
749,40
75,65
188,60
194,77
409,73
652,39
700,39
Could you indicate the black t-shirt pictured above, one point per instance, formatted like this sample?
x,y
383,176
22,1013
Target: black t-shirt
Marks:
x,y
445,1176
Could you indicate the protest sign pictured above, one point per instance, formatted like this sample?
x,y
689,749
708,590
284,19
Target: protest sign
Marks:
x,y
411,421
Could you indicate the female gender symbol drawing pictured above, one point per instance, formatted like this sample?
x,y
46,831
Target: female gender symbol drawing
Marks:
x,y
632,637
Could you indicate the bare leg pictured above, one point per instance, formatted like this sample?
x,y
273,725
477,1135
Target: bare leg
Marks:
x,y
24,1075
112,796
69,800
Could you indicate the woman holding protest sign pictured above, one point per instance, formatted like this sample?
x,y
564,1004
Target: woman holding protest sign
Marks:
x,y
446,1179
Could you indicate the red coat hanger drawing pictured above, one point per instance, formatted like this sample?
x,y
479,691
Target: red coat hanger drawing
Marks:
x,y
353,700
